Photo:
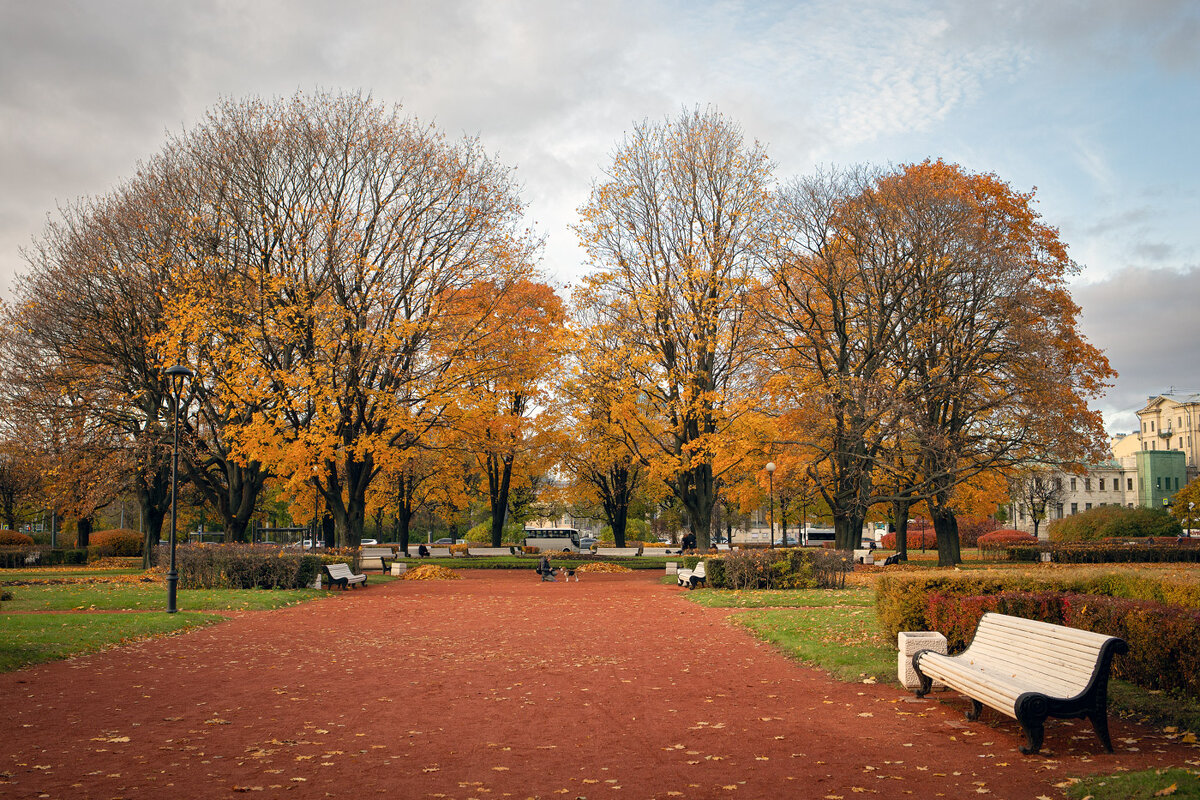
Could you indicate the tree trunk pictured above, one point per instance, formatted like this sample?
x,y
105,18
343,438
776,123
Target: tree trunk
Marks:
x,y
945,526
499,480
847,531
696,490
900,509
154,500
83,532
329,530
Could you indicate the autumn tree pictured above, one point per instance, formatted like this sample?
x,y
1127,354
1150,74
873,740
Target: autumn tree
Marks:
x,y
342,258
836,273
20,484
80,355
669,232
502,416
996,369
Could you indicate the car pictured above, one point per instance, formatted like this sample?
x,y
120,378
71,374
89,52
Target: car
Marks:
x,y
587,542
445,541
368,541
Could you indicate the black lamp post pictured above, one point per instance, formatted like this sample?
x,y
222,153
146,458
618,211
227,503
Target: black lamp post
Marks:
x,y
178,375
771,497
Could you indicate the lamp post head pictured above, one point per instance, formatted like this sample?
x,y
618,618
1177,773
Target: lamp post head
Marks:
x,y
771,467
178,375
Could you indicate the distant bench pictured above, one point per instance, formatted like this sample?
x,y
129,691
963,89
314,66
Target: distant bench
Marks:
x,y
691,578
383,555
434,552
618,551
341,575
1029,670
489,551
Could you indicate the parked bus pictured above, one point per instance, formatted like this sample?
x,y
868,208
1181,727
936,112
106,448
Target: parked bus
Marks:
x,y
564,540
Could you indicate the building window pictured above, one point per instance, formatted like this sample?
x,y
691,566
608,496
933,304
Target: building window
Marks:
x,y
1058,483
1059,509
1074,508
1102,484
1152,426
1087,484
1129,484
1158,483
1180,442
1087,506
1072,484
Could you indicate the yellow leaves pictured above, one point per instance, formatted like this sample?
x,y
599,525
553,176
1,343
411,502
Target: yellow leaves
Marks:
x,y
1167,790
431,572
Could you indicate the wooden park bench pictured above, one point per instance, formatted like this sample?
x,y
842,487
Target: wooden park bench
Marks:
x,y
691,578
383,555
489,551
340,574
1029,670
617,551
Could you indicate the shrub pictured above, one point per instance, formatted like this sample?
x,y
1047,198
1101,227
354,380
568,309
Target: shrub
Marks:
x,y
461,549
116,542
482,533
240,566
634,529
1143,551
998,540
918,538
901,600
1111,522
1164,640
14,538
791,568
970,529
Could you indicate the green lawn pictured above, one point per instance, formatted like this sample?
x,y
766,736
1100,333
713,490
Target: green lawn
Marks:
x,y
148,597
27,639
16,575
1173,783
843,640
789,598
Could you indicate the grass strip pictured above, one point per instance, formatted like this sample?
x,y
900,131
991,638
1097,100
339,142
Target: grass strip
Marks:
x,y
790,598
1144,785
843,640
149,597
27,639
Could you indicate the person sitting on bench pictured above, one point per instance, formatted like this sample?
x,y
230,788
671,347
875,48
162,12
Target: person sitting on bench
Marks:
x,y
544,569
423,551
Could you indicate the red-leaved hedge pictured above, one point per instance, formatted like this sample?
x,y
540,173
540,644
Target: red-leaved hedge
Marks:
x,y
117,542
8,537
917,539
1006,537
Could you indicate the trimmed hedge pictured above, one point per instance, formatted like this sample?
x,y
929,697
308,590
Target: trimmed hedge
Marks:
x,y
14,538
1114,522
1007,537
901,600
1164,640
1149,551
781,568
242,566
918,538
119,542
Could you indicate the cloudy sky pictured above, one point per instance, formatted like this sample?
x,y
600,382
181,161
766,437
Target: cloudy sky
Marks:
x,y
1096,104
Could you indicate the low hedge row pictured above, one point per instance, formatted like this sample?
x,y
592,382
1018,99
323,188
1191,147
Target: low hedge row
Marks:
x,y
1164,640
247,566
782,568
901,600
1144,552
17,538
16,557
119,542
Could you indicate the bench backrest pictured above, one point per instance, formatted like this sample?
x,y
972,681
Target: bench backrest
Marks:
x,y
1064,659
699,571
377,552
338,570
617,551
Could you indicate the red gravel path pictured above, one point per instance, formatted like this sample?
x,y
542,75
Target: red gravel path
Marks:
x,y
502,686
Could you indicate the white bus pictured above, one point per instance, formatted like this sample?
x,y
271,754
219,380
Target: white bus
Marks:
x,y
565,540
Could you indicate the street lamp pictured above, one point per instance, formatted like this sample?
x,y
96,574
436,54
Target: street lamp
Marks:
x,y
1190,507
771,497
177,375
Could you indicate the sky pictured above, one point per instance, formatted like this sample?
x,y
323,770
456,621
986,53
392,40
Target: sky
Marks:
x,y
1095,104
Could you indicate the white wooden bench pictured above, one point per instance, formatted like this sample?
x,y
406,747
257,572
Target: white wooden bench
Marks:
x,y
617,551
1029,670
489,551
340,574
383,555
691,578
